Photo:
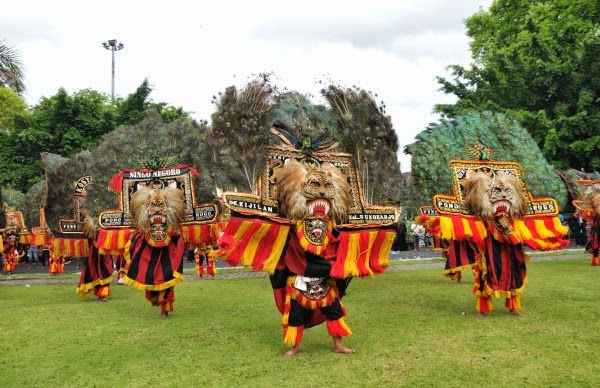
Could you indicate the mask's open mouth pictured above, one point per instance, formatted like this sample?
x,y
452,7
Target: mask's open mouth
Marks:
x,y
319,207
500,207
158,219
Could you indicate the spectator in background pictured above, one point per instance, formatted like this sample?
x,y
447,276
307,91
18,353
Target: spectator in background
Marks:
x,y
400,243
429,241
417,233
580,232
33,256
45,255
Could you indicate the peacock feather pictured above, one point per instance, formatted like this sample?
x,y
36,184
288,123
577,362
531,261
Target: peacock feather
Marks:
x,y
121,149
156,162
473,136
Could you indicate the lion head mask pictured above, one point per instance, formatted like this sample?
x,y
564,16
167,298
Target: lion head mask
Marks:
x,y
497,198
592,197
313,191
158,212
11,231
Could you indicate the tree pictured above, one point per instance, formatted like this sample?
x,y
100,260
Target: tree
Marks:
x,y
64,124
11,105
132,109
11,68
67,124
537,61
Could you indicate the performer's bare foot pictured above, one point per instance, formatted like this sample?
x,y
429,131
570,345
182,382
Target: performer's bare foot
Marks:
x,y
164,315
517,313
102,299
344,349
458,281
339,347
480,315
292,352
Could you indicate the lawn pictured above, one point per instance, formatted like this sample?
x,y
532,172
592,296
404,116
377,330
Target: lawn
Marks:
x,y
411,328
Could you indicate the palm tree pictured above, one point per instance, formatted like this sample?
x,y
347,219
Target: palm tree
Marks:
x,y
11,68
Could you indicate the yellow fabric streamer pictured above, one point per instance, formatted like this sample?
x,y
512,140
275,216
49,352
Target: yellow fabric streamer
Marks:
x,y
278,245
257,237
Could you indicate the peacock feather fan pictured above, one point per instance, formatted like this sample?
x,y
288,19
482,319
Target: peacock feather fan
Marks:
x,y
150,141
369,135
447,140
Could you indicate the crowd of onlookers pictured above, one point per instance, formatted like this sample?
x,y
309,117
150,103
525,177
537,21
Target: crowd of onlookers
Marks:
x,y
414,236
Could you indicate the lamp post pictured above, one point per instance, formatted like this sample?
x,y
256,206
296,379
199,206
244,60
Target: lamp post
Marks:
x,y
113,46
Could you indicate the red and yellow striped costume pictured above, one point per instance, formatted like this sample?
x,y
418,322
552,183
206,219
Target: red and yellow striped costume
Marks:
x,y
56,264
12,254
500,260
155,267
276,248
96,275
205,263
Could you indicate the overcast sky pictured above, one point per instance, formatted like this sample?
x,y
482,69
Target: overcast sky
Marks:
x,y
191,49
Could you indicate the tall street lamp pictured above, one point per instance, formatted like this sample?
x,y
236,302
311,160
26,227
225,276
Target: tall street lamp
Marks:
x,y
113,46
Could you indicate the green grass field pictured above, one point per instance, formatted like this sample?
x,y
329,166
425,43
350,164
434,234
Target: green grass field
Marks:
x,y
411,328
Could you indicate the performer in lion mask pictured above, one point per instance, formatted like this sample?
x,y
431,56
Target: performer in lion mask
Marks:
x,y
155,253
309,228
487,222
315,199
589,207
500,271
311,232
12,248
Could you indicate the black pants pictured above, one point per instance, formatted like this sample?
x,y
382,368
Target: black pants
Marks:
x,y
299,315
